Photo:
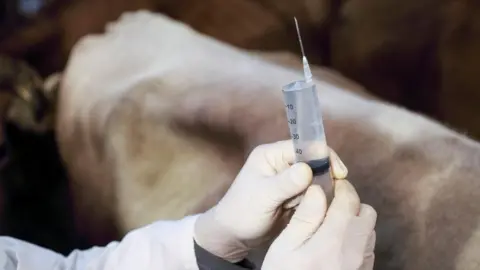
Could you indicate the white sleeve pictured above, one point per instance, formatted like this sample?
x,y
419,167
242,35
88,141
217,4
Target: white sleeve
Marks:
x,y
163,245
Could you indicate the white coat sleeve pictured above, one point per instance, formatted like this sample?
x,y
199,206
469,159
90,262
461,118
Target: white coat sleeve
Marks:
x,y
163,245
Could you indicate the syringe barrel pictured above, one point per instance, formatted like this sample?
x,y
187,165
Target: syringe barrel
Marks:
x,y
305,121
307,132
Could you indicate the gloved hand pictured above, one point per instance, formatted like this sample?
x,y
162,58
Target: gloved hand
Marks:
x,y
344,239
245,217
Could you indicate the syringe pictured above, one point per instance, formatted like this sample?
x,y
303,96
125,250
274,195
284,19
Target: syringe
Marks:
x,y
306,126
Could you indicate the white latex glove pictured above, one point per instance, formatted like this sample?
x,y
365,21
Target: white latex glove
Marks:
x,y
246,216
344,239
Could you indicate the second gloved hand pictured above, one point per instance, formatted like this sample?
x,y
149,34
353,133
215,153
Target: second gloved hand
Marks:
x,y
246,216
342,238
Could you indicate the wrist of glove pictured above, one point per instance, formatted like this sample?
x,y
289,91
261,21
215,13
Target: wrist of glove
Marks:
x,y
215,237
208,261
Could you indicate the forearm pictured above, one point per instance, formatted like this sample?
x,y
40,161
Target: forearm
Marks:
x,y
161,245
16,254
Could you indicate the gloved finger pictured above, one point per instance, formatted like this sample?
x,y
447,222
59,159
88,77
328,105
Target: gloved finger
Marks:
x,y
272,158
358,235
293,202
346,201
364,224
338,169
289,183
369,255
306,220
344,207
368,217
368,263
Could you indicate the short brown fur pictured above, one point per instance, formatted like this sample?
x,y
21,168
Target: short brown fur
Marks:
x,y
160,155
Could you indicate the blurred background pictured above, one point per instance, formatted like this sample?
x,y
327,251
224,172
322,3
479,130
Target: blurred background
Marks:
x,y
420,54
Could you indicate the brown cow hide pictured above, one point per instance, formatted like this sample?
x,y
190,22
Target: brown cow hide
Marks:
x,y
155,120
422,54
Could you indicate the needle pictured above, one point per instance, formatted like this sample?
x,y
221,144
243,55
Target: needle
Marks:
x,y
299,36
306,67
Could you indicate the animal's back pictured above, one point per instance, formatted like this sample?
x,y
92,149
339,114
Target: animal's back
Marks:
x,y
419,175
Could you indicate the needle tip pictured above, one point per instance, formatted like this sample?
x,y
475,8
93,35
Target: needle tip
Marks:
x,y
299,36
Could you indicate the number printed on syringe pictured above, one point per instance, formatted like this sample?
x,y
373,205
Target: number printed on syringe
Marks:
x,y
292,122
